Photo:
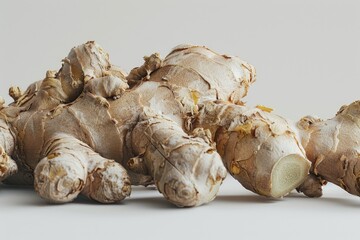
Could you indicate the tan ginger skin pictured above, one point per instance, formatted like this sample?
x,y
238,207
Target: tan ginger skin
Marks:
x,y
91,129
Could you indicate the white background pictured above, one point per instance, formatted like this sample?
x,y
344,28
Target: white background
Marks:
x,y
307,58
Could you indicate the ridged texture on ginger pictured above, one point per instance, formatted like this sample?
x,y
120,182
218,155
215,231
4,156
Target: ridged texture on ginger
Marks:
x,y
208,75
58,142
71,167
258,148
90,129
74,127
186,169
333,147
84,62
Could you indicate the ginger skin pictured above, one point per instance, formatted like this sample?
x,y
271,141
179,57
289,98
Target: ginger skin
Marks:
x,y
333,148
177,122
102,120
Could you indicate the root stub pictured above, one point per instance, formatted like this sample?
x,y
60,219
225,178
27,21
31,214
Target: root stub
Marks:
x,y
288,173
108,184
59,180
7,166
182,195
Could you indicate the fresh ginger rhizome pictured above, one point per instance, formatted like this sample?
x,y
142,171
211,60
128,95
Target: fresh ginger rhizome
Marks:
x,y
179,123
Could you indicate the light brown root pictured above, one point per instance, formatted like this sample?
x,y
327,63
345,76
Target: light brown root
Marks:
x,y
186,170
312,186
59,179
258,148
72,167
8,166
107,87
151,63
15,93
333,147
107,182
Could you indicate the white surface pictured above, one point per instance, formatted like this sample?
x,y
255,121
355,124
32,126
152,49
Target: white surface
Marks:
x,y
235,214
307,57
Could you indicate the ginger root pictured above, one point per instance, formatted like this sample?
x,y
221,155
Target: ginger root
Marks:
x,y
258,148
77,129
333,148
177,122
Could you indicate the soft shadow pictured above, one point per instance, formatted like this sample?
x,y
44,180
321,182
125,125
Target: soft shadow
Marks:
x,y
81,199
6,187
342,201
246,199
28,197
143,188
154,202
158,202
328,200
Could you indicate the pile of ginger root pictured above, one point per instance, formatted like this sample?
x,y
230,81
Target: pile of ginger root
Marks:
x,y
178,123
